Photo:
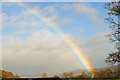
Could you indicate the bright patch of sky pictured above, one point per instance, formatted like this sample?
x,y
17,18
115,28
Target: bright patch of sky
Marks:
x,y
56,0
69,17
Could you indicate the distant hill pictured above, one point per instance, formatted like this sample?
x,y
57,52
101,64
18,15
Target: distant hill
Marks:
x,y
79,71
110,67
6,74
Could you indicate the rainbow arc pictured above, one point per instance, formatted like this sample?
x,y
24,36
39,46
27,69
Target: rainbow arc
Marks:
x,y
72,45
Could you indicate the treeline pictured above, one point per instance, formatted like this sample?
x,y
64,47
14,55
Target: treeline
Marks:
x,y
101,73
98,73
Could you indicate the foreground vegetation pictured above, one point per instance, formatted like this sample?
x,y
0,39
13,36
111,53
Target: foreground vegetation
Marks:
x,y
6,74
56,79
96,74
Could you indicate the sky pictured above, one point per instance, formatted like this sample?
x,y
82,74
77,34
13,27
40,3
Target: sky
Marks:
x,y
31,46
0,37
56,0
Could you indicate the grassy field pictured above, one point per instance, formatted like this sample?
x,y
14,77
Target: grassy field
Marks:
x,y
52,79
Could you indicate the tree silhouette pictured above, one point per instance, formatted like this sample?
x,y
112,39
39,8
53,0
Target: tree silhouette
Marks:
x,y
114,32
108,73
44,75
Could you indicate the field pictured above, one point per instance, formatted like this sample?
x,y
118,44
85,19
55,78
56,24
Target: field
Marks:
x,y
53,79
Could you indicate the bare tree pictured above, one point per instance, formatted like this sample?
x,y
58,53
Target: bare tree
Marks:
x,y
114,34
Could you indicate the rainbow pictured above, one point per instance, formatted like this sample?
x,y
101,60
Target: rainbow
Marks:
x,y
72,45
